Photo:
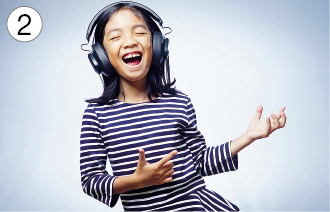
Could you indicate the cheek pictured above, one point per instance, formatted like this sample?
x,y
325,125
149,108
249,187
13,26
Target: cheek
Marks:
x,y
112,54
147,44
148,49
113,57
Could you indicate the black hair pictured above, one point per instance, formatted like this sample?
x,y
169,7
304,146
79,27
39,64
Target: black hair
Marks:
x,y
158,78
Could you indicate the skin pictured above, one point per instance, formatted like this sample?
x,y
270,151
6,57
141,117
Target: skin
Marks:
x,y
258,129
125,33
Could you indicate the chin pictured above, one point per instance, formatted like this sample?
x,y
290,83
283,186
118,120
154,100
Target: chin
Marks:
x,y
135,77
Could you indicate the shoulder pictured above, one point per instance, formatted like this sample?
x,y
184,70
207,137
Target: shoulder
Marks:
x,y
179,96
90,108
97,108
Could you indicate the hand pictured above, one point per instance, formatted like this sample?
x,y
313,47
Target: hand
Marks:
x,y
147,174
258,129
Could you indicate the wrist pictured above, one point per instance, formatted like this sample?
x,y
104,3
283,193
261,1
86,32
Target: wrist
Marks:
x,y
136,181
125,183
248,140
240,143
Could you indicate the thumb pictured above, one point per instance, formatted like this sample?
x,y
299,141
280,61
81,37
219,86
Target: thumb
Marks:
x,y
142,157
259,112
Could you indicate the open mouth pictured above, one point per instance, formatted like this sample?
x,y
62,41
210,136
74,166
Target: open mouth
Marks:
x,y
132,59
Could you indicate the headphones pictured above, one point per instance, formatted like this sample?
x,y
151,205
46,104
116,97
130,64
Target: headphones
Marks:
x,y
98,57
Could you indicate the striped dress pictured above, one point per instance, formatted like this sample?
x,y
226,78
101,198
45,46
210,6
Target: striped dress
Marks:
x,y
117,130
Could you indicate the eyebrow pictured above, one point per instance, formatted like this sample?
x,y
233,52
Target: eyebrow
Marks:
x,y
140,25
134,27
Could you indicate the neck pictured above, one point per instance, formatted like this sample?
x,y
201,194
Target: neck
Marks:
x,y
135,92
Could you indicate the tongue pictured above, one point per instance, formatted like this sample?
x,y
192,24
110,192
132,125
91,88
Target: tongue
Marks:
x,y
133,62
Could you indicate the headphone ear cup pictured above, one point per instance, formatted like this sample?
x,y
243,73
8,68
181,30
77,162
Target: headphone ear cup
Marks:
x,y
100,60
157,56
165,50
94,63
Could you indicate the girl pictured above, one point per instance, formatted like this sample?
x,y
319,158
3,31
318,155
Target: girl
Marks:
x,y
146,127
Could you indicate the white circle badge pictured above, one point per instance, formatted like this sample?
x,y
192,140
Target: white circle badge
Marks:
x,y
24,24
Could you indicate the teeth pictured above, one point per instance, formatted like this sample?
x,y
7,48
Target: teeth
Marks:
x,y
132,55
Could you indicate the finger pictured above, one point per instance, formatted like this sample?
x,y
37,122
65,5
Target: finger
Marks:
x,y
275,124
268,128
283,121
168,179
278,115
259,112
166,158
168,164
166,167
142,156
275,120
168,173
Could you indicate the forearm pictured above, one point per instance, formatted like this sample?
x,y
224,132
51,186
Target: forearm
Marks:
x,y
239,144
123,184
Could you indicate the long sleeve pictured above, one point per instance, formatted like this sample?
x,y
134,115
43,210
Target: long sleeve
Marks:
x,y
207,160
95,180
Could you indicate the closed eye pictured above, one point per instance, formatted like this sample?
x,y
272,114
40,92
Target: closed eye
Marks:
x,y
115,38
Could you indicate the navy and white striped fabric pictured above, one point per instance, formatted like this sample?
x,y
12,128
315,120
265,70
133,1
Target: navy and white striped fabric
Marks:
x,y
117,130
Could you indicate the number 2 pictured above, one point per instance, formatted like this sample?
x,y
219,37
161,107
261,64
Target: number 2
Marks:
x,y
19,19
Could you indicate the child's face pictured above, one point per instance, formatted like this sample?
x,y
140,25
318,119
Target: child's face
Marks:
x,y
127,41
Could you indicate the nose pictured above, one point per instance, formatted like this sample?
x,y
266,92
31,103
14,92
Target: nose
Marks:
x,y
129,41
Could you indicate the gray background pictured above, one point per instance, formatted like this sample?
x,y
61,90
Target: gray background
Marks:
x,y
228,56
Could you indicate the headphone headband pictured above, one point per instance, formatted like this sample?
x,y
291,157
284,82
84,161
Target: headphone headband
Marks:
x,y
128,3
98,57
